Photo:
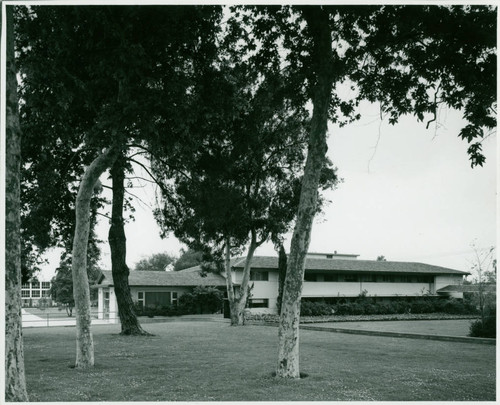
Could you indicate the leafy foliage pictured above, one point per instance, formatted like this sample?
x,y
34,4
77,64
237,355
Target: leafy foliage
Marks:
x,y
156,262
244,174
188,258
410,59
62,287
368,306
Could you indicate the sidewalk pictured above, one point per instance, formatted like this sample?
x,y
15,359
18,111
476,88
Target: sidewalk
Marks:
x,y
34,321
446,330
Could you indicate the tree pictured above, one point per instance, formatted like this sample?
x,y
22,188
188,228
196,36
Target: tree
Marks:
x,y
62,287
188,258
484,274
409,58
242,180
156,262
381,259
15,381
103,102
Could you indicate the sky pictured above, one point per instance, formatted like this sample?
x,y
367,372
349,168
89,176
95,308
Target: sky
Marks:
x,y
408,193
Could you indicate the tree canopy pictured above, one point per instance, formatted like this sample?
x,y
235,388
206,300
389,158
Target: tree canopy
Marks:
x,y
155,262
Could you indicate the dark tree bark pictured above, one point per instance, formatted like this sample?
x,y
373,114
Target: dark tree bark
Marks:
x,y
81,292
15,382
288,351
282,264
118,245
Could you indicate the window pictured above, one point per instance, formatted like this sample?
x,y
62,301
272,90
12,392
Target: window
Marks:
x,y
46,285
45,293
35,293
35,284
310,277
25,293
157,298
388,279
140,299
26,285
331,277
351,277
174,298
259,276
259,303
406,279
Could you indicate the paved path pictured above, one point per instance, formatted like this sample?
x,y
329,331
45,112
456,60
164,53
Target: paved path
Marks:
x,y
34,321
454,327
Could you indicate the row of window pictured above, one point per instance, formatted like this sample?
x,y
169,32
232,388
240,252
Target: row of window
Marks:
x,y
35,293
157,298
369,278
36,285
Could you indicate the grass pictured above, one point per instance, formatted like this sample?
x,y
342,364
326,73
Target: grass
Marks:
x,y
206,361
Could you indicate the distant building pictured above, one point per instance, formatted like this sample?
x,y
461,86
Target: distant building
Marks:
x,y
33,291
331,277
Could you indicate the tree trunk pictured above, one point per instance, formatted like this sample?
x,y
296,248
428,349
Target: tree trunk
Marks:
x,y
81,292
118,245
15,382
288,350
237,304
229,283
282,264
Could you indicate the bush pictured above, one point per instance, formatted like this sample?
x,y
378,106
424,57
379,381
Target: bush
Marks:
x,y
488,329
367,306
200,300
454,307
310,308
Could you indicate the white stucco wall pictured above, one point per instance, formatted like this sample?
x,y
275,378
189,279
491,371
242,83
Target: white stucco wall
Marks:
x,y
447,279
317,289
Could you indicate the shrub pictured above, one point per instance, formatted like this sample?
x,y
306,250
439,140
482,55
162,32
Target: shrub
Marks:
x,y
453,306
488,329
311,308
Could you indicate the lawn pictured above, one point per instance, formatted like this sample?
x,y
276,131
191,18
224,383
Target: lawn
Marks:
x,y
205,361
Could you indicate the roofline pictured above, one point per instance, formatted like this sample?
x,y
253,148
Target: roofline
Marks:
x,y
439,270
332,254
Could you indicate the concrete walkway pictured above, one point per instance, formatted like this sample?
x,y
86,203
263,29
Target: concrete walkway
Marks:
x,y
34,321
445,330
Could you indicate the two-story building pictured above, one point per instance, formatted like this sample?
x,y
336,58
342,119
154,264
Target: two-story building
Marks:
x,y
33,291
330,277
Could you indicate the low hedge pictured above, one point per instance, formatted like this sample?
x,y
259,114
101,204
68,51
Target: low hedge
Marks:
x,y
367,306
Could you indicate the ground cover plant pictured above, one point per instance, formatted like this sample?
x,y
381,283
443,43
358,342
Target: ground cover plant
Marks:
x,y
205,361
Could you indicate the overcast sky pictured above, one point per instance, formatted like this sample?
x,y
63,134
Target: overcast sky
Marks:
x,y
408,194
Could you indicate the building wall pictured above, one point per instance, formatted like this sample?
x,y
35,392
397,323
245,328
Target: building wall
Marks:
x,y
317,289
33,291
134,291
447,279
353,289
111,311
